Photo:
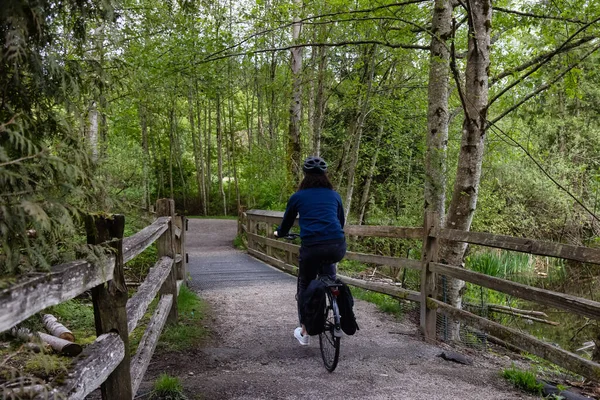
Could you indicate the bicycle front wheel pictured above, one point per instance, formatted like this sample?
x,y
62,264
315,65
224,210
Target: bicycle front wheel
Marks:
x,y
328,340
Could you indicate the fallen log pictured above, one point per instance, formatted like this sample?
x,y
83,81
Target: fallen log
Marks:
x,y
57,329
59,345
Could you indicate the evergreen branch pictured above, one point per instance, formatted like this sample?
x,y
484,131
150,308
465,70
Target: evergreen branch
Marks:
x,y
18,160
526,14
544,87
10,122
542,58
541,168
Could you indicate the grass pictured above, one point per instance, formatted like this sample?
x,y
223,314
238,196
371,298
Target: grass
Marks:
x,y
524,380
189,330
167,387
384,302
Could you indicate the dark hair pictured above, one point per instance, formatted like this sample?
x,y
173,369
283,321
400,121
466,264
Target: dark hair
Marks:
x,y
315,181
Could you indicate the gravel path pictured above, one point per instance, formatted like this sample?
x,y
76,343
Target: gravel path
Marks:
x,y
255,356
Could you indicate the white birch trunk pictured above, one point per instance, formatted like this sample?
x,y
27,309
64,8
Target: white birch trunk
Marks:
x,y
468,175
293,146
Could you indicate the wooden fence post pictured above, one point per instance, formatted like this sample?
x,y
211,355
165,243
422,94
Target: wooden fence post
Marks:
x,y
166,247
428,278
269,234
180,248
110,301
184,256
249,230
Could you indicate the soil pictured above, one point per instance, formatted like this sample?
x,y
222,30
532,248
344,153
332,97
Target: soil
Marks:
x,y
252,353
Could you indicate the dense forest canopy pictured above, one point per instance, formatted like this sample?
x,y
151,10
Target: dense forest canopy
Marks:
x,y
109,105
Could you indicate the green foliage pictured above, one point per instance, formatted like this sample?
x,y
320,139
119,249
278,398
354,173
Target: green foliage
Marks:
x,y
384,302
524,380
47,365
189,330
167,387
46,173
238,242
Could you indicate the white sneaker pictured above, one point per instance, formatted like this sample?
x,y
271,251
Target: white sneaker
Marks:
x,y
304,340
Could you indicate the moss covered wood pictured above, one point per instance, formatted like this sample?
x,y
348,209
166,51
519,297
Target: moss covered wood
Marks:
x,y
110,300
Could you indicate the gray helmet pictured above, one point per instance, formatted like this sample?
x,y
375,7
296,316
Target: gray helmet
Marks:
x,y
314,165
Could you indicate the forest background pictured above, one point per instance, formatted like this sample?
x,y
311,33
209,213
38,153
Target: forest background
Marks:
x,y
107,106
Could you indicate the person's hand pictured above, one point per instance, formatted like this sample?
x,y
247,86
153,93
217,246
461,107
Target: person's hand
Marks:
x,y
275,234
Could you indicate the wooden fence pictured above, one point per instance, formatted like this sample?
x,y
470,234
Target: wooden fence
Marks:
x,y
261,247
107,362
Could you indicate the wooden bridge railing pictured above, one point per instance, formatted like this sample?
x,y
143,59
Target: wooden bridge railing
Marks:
x,y
107,362
262,247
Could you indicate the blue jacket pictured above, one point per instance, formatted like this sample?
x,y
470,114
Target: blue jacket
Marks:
x,y
321,215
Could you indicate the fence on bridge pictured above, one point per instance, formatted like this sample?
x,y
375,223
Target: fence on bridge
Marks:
x,y
261,246
107,361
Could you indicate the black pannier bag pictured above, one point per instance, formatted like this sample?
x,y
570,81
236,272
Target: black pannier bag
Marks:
x,y
312,307
346,304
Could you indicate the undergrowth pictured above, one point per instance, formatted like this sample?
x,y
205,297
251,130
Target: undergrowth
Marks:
x,y
167,387
383,302
189,330
524,380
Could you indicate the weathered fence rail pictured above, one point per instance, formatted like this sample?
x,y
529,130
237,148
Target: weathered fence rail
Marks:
x,y
254,222
106,362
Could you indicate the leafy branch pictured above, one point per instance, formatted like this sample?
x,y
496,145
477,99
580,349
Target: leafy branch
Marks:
x,y
530,15
557,51
543,87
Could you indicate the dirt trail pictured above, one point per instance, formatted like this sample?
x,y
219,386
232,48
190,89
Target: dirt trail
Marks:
x,y
254,355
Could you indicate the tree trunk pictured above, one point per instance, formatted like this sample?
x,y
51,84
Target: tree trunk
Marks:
x,y
92,132
171,135
466,186
220,155
146,156
365,195
208,133
293,145
197,145
437,114
319,101
358,128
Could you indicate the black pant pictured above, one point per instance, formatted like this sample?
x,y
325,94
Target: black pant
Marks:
x,y
317,259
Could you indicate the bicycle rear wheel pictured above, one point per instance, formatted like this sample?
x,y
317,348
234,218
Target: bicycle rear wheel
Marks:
x,y
328,340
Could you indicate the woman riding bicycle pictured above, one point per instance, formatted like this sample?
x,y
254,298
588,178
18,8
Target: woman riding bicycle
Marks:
x,y
321,229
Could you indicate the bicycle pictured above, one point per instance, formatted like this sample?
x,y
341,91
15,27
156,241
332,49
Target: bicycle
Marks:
x,y
329,339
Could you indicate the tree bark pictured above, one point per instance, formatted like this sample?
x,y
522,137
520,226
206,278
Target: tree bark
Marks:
x,y
197,145
146,156
358,127
220,155
365,195
437,114
293,145
57,329
171,135
319,101
92,133
466,186
208,135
